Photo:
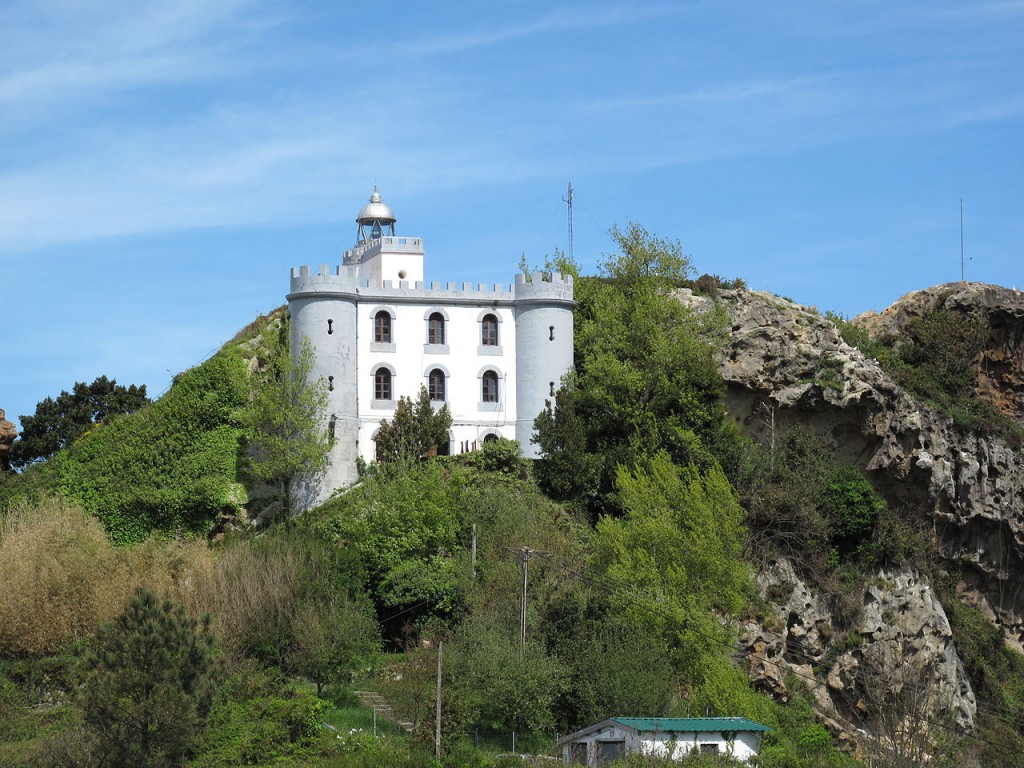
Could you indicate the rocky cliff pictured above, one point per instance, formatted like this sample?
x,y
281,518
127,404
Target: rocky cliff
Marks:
x,y
788,361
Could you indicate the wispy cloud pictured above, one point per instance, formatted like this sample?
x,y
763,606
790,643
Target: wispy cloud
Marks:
x,y
61,55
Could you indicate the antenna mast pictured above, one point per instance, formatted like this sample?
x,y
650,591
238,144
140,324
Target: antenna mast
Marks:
x,y
961,239
568,201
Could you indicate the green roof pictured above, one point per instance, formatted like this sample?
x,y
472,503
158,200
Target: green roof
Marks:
x,y
690,724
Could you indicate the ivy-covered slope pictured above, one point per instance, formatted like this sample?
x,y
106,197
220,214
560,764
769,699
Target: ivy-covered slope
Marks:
x,y
170,468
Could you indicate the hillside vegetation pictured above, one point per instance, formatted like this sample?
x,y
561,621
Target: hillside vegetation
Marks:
x,y
637,531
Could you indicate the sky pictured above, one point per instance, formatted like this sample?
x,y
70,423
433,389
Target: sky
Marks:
x,y
164,165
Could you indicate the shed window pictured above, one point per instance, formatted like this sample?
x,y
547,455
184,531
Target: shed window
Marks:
x,y
579,753
435,328
382,328
489,387
607,751
382,384
489,331
435,384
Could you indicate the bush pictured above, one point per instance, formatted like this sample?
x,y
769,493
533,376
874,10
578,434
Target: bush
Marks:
x,y
61,578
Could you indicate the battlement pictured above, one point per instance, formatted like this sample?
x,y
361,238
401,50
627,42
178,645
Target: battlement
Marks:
x,y
344,279
390,244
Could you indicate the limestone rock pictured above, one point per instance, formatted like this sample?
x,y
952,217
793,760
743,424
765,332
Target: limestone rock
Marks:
x,y
788,361
901,646
7,434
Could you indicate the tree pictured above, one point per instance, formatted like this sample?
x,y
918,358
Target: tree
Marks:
x,y
416,430
287,431
677,554
149,682
500,685
57,423
329,640
644,381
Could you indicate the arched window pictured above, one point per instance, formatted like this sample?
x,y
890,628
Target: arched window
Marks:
x,y
382,328
435,328
489,387
382,384
490,437
435,384
489,331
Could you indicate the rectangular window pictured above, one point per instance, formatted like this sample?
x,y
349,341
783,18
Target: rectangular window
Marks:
x,y
489,387
435,329
382,385
608,751
382,328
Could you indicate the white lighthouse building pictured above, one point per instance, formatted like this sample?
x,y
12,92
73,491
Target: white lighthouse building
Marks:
x,y
493,354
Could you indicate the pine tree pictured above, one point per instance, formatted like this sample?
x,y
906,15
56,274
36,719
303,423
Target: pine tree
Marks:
x,y
149,682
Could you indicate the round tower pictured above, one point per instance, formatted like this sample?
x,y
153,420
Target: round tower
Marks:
x,y
543,309
323,315
375,219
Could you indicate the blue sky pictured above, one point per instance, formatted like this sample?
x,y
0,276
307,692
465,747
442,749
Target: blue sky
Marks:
x,y
163,165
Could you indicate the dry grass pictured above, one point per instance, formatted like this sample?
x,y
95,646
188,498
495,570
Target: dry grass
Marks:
x,y
62,578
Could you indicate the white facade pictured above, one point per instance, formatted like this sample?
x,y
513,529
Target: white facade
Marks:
x,y
378,332
673,738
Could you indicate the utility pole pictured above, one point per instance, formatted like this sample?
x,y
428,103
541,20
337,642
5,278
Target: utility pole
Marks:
x,y
525,554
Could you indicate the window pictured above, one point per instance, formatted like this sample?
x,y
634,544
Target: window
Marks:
x,y
435,328
381,328
579,753
490,437
489,331
609,751
435,384
708,748
489,387
382,384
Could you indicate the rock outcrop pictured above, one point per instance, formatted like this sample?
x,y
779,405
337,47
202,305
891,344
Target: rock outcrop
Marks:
x,y
7,434
899,656
785,364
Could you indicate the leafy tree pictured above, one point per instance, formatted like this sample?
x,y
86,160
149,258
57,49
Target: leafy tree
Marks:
x,y
677,556
613,664
288,437
405,528
645,380
501,686
330,640
149,682
416,430
59,422
851,508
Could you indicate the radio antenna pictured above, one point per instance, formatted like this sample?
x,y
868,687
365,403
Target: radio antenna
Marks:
x,y
568,201
961,240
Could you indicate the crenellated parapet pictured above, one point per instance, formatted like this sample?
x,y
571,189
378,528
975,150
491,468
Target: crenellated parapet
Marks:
x,y
544,286
343,279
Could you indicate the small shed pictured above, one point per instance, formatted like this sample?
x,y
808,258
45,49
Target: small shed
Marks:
x,y
617,737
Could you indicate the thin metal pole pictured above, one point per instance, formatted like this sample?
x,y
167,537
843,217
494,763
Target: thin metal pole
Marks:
x,y
961,239
437,713
568,201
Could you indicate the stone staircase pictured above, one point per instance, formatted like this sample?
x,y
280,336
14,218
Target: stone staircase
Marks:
x,y
373,700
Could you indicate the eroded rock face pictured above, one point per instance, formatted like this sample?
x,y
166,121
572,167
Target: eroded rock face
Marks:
x,y
7,434
785,360
1000,367
784,364
901,650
